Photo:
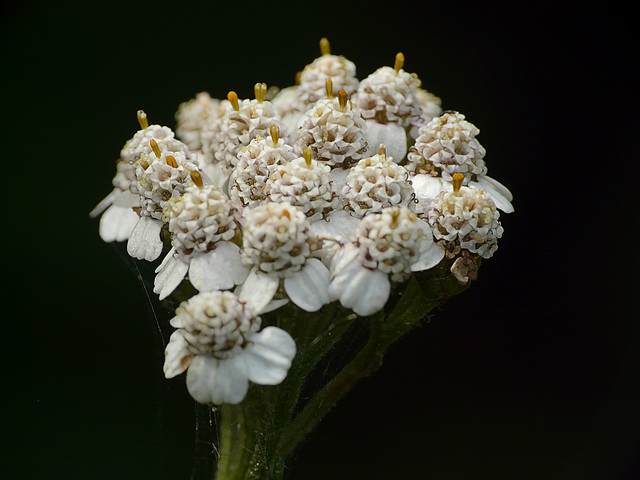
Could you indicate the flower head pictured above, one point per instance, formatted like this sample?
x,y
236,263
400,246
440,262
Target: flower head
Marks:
x,y
161,176
338,69
465,219
447,145
375,183
305,183
276,238
390,95
199,219
256,162
334,131
218,341
388,246
243,120
193,115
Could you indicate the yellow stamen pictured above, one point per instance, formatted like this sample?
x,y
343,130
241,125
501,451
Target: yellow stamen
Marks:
x,y
260,90
342,99
197,179
307,154
298,75
275,134
286,214
395,213
399,62
382,150
328,86
325,47
144,164
233,98
142,119
155,147
457,183
171,161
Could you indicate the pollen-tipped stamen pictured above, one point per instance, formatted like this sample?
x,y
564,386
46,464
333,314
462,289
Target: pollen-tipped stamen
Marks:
x,y
197,179
307,154
260,90
458,178
142,119
399,62
171,161
274,131
233,98
382,150
395,213
328,86
342,99
155,147
325,47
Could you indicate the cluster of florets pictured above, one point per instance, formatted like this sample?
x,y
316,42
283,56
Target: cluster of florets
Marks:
x,y
200,218
333,189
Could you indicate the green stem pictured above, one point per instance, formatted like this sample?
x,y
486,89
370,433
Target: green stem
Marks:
x,y
259,434
421,296
365,362
235,435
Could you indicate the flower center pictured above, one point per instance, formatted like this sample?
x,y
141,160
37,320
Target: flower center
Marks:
x,y
216,324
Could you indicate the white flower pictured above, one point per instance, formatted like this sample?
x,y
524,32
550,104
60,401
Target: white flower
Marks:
x,y
388,247
465,219
119,218
390,95
447,145
256,162
117,215
219,344
203,226
430,106
305,183
193,115
290,107
334,131
160,177
338,69
376,183
277,247
242,122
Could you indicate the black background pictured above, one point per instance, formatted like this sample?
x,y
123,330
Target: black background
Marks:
x,y
530,374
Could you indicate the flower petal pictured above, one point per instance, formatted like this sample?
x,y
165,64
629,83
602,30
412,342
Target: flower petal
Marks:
x,y
171,273
392,135
144,242
339,225
364,291
219,269
177,356
498,192
269,355
104,204
218,381
339,179
430,253
427,188
258,290
117,223
127,199
344,259
274,305
309,287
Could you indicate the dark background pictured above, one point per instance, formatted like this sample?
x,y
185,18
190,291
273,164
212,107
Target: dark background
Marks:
x,y
530,374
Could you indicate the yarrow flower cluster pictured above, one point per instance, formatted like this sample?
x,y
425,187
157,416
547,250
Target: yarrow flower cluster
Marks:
x,y
330,190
